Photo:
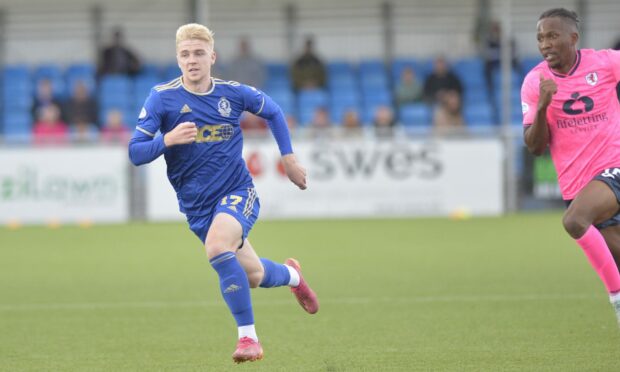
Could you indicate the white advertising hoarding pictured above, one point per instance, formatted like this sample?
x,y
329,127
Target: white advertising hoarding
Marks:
x,y
360,178
59,185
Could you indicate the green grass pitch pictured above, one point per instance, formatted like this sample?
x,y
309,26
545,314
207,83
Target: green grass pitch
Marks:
x,y
484,294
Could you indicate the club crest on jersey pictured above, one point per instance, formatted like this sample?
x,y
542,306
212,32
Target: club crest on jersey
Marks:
x,y
592,78
223,106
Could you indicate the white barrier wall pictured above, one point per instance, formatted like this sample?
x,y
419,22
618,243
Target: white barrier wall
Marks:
x,y
365,179
63,185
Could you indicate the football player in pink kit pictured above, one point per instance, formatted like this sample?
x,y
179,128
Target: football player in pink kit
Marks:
x,y
570,104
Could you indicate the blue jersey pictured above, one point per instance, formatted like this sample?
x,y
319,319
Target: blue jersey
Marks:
x,y
212,166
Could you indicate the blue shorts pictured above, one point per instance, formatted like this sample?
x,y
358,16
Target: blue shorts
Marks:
x,y
242,204
611,177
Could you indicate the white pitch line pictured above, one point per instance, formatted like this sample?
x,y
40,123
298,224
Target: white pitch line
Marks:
x,y
280,302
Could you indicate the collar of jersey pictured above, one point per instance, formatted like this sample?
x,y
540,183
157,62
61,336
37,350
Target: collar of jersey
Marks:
x,y
572,70
197,93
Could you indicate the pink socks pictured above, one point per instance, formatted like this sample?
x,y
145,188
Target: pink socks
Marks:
x,y
595,248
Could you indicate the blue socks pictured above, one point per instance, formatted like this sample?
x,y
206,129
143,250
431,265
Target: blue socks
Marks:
x,y
276,275
235,287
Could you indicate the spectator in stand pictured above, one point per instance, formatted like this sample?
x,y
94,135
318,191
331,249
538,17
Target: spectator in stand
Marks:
x,y
247,68
114,129
491,54
308,71
351,124
408,89
384,121
118,58
447,117
321,123
44,96
49,127
81,106
441,79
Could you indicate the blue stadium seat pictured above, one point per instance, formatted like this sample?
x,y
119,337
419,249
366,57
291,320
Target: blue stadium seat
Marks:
x,y
151,69
372,66
340,68
478,114
142,87
308,101
377,97
277,83
285,99
415,114
338,109
171,71
277,70
471,72
84,72
529,63
374,80
16,100
48,71
421,67
17,71
17,122
81,69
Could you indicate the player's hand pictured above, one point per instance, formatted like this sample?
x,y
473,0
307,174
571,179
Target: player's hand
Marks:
x,y
295,172
182,134
547,89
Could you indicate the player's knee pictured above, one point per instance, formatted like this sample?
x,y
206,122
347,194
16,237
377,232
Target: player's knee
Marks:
x,y
256,278
214,247
575,225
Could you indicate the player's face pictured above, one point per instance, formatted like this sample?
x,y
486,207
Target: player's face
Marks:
x,y
556,42
195,58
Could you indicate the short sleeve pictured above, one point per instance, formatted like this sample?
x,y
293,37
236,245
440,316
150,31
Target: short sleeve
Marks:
x,y
529,98
150,118
614,59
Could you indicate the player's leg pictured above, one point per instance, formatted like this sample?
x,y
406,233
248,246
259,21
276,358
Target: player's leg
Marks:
x,y
223,238
262,271
595,204
612,238
267,274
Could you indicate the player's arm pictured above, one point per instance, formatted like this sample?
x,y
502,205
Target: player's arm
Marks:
x,y
262,105
144,146
536,135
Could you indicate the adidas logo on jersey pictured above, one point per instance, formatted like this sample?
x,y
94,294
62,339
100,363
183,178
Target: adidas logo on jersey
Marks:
x,y
185,109
232,288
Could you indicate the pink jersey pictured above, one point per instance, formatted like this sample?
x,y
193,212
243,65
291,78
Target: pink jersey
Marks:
x,y
583,117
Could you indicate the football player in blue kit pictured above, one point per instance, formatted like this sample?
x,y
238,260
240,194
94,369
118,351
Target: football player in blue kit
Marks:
x,y
198,118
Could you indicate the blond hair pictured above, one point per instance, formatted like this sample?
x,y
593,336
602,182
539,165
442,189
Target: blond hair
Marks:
x,y
194,31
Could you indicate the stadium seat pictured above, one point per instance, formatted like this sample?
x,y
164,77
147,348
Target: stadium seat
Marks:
x,y
171,71
415,114
338,109
374,80
17,122
478,114
529,63
372,66
277,83
84,72
142,87
422,67
277,70
285,99
377,97
471,72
